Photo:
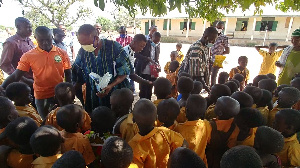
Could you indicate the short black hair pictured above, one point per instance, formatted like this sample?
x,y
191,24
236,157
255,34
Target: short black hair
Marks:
x,y
179,45
57,31
42,30
271,76
87,30
236,82
69,116
239,77
156,34
64,91
103,120
296,83
249,118
221,22
146,110
185,158
46,141
6,106
70,159
262,141
124,97
273,45
232,86
20,130
198,86
139,38
15,89
210,31
255,92
174,66
294,96
223,77
243,58
279,88
241,156
162,87
219,90
184,74
168,108
20,20
122,28
265,99
196,107
243,98
291,117
226,107
185,85
268,84
116,153
259,78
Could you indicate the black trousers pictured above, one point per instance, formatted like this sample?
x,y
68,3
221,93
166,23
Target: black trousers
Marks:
x,y
146,90
214,73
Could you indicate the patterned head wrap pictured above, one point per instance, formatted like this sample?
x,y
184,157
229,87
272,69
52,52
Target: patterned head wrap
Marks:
x,y
296,33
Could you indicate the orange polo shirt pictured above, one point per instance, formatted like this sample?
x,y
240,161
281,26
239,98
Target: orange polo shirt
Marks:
x,y
15,159
47,67
196,134
153,149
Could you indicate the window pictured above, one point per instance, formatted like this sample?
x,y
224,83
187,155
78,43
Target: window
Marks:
x,y
183,25
166,23
241,24
267,23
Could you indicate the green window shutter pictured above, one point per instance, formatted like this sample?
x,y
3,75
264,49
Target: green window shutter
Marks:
x,y
274,25
258,25
238,26
181,25
193,25
165,24
170,25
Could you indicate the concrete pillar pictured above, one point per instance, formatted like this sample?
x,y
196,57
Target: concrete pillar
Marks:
x,y
226,24
289,30
204,26
168,23
134,27
253,28
187,28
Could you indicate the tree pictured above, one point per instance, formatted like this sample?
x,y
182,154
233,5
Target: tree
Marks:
x,y
105,23
122,18
47,12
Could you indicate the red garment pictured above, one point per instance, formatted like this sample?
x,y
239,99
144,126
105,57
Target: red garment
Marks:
x,y
124,41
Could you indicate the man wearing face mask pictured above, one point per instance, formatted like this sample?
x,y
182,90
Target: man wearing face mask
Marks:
x,y
221,47
100,56
124,39
196,62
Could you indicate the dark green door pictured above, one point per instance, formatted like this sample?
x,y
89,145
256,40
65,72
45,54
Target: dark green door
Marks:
x,y
146,28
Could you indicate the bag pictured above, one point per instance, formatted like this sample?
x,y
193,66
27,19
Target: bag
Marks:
x,y
154,70
219,59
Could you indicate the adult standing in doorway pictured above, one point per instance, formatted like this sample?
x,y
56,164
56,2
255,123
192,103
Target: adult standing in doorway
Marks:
x,y
124,39
289,62
220,47
196,61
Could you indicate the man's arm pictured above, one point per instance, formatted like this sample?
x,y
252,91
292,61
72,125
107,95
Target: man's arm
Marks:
x,y
259,47
68,75
6,58
227,50
14,77
139,79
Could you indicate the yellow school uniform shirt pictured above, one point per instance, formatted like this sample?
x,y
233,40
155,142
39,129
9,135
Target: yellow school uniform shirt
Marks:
x,y
166,68
290,154
80,143
249,141
181,118
156,102
153,149
128,129
51,120
174,126
265,112
1,77
210,112
268,64
271,117
15,159
196,134
45,162
29,111
180,57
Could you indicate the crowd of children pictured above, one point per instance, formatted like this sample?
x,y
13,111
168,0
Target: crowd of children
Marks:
x,y
240,124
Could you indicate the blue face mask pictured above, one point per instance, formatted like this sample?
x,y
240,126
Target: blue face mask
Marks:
x,y
122,35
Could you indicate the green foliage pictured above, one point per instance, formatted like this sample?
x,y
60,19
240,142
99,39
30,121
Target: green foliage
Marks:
x,y
165,39
122,18
53,12
105,23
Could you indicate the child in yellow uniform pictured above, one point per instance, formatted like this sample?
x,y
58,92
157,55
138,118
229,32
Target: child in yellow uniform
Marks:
x,y
267,142
20,94
19,132
185,86
232,86
269,58
184,157
287,122
46,142
248,120
162,89
65,94
262,105
167,112
243,98
296,83
173,78
70,159
194,130
198,86
255,92
241,69
173,57
268,84
288,96
180,56
116,153
217,91
70,118
222,132
152,145
278,89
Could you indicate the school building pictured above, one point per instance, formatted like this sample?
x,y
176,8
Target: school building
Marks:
x,y
270,25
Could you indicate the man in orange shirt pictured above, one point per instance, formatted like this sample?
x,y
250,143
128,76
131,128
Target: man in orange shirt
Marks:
x,y
49,64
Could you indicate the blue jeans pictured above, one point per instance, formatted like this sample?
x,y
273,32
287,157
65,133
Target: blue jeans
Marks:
x,y
44,106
